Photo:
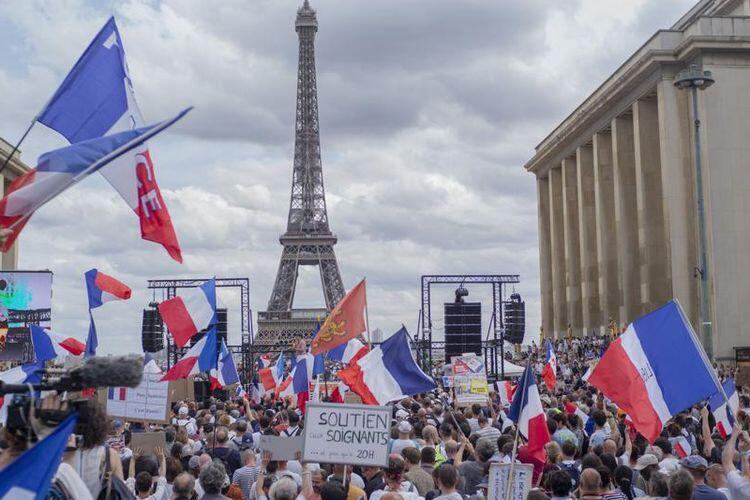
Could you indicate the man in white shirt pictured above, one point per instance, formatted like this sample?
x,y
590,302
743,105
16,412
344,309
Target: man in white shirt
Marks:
x,y
404,438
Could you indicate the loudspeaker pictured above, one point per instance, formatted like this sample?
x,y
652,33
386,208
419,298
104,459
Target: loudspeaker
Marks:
x,y
514,313
463,328
202,390
152,331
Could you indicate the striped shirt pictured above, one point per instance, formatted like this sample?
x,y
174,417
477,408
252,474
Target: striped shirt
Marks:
x,y
245,477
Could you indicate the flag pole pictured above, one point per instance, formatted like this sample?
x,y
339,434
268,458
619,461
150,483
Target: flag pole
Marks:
x,y
508,489
18,145
702,352
367,316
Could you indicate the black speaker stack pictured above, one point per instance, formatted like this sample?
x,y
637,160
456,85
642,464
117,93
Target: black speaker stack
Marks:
x,y
463,328
514,312
152,331
221,328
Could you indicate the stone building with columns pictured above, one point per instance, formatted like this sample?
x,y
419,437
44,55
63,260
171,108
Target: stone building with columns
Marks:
x,y
15,168
616,186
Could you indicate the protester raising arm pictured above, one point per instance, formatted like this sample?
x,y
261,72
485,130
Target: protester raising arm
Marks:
x,y
739,487
708,442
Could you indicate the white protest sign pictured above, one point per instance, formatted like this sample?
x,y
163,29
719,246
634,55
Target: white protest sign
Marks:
x,y
498,481
281,447
347,434
148,401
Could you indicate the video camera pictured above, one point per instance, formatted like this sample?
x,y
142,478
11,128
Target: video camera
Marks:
x,y
118,371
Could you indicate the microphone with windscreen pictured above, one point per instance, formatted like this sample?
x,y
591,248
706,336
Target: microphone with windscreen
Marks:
x,y
111,371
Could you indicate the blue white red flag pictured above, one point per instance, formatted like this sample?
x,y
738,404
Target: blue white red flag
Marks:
x,y
348,352
256,395
387,373
191,312
97,98
724,413
49,345
60,169
29,476
201,358
272,376
655,370
527,412
149,364
226,372
101,288
549,373
681,446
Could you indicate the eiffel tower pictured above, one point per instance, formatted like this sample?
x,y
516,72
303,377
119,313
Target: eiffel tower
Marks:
x,y
308,240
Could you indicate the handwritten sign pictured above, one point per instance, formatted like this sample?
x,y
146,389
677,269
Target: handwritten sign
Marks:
x,y
149,441
149,401
498,481
347,434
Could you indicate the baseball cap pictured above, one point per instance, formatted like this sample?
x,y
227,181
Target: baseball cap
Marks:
x,y
694,462
183,410
247,438
646,460
402,414
404,426
117,424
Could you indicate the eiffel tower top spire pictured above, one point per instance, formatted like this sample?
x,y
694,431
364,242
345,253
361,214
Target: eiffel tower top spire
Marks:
x,y
308,240
307,206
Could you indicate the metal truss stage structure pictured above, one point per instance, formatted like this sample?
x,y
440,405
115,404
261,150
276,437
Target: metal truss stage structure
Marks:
x,y
242,350
425,346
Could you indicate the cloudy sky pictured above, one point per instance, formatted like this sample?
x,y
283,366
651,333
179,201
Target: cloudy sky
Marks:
x,y
428,111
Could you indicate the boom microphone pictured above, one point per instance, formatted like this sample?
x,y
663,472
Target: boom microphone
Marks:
x,y
117,371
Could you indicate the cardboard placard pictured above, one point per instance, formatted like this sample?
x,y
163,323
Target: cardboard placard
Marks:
x,y
498,481
281,447
149,402
148,442
347,434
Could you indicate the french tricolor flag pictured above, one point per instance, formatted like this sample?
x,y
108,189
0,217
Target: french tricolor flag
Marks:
x,y
23,374
348,352
339,393
681,446
201,358
272,376
549,373
104,288
724,413
655,370
101,288
49,345
527,412
226,372
387,373
505,389
191,312
573,409
117,393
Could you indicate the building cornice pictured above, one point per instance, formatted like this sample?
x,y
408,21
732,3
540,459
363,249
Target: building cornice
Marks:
x,y
15,167
662,53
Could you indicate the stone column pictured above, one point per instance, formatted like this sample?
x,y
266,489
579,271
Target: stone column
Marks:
x,y
626,218
572,245
557,242
587,226
655,273
545,255
677,174
606,241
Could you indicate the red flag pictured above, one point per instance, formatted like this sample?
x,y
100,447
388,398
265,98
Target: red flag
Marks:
x,y
346,321
156,224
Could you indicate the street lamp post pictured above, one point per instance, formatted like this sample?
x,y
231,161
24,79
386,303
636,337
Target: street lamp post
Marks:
x,y
694,79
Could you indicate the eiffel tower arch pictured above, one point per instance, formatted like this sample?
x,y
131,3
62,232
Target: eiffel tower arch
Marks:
x,y
308,240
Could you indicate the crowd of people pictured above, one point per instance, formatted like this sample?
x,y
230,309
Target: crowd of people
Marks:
x,y
437,451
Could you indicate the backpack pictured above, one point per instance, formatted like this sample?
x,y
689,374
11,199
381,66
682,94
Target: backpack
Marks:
x,y
113,488
573,472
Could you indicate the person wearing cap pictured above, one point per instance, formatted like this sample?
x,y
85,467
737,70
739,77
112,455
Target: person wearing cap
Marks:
x,y
184,420
697,466
404,440
116,440
645,466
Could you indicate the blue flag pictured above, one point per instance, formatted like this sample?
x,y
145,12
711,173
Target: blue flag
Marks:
x,y
29,476
93,97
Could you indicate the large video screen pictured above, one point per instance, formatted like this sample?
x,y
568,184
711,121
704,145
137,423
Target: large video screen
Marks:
x,y
25,299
